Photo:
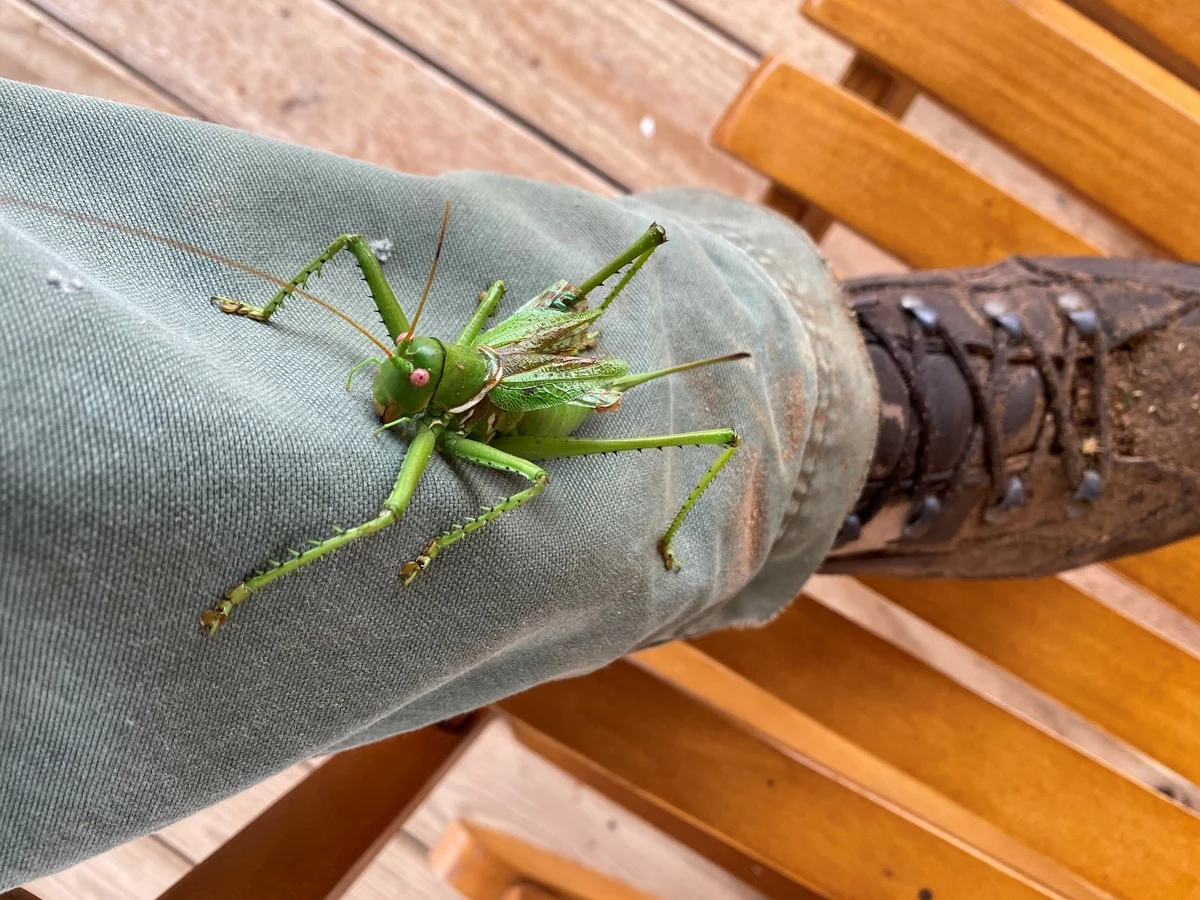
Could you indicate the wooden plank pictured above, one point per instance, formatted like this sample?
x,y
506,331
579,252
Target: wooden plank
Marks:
x,y
801,822
1054,86
772,27
1172,572
138,870
1112,832
500,783
1167,31
316,839
874,85
691,670
632,85
1132,683
18,894
401,870
486,864
36,49
871,173
307,72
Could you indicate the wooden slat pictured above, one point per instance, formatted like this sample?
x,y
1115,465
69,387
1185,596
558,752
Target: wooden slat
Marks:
x,y
874,85
315,840
1137,686
604,80
1054,86
1112,832
1167,31
485,864
503,783
688,668
1173,573
36,49
803,823
306,71
869,172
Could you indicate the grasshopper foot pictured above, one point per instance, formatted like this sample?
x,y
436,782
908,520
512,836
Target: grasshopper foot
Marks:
x,y
219,614
238,308
668,557
410,570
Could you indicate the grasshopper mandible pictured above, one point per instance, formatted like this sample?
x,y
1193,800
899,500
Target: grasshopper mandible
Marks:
x,y
500,398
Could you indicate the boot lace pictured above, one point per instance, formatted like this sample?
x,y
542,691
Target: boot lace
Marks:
x,y
1085,461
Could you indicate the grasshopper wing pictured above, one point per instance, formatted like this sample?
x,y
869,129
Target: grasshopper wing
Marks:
x,y
538,381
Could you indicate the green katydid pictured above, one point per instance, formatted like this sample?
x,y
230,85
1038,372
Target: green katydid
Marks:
x,y
500,398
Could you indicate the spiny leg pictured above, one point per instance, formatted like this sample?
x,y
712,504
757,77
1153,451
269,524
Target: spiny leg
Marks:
x,y
414,464
636,253
489,300
556,448
483,455
381,292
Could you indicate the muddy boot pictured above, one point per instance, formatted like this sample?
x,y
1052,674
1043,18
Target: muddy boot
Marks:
x,y
1036,415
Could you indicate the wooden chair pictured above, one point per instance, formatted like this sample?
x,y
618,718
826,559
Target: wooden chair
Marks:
x,y
812,758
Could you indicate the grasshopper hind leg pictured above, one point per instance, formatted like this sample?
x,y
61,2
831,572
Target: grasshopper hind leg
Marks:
x,y
483,455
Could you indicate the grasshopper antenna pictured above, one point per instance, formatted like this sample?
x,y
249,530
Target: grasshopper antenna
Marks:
x,y
437,254
134,231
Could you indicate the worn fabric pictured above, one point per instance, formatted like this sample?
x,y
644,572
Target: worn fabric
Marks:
x,y
153,452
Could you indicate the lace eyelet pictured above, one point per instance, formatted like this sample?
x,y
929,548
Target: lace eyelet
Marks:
x,y
925,314
1084,318
927,511
850,531
1010,322
1014,498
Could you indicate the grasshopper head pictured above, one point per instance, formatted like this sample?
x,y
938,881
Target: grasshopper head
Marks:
x,y
407,381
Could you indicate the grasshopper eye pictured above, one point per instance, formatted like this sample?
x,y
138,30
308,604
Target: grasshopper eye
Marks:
x,y
419,377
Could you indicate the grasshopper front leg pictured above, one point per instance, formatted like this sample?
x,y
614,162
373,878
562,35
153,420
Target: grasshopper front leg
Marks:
x,y
393,316
414,464
556,448
483,455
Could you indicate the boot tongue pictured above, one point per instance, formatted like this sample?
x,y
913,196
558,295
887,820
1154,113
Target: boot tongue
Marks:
x,y
951,411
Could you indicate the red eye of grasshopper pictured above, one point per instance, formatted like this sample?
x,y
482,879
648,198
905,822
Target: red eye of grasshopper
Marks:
x,y
419,377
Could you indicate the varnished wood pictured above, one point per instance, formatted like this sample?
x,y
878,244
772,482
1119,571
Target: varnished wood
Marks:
x,y
485,864
36,49
1173,573
1054,86
17,894
876,86
869,172
326,80
1110,831
316,839
806,825
1130,682
689,669
734,859
1167,31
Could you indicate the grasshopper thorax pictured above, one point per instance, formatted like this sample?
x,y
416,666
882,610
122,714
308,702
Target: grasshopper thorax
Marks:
x,y
425,373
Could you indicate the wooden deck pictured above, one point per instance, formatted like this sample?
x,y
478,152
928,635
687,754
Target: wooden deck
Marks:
x,y
612,97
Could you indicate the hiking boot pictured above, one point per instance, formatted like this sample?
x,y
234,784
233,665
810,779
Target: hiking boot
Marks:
x,y
1036,415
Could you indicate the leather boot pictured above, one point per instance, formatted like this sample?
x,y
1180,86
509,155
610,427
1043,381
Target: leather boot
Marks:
x,y
1036,415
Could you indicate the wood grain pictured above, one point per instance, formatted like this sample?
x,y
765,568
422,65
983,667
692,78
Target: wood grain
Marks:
x,y
36,49
1055,87
1130,682
486,864
502,784
689,669
1173,573
138,870
1112,832
1167,31
801,822
869,172
597,78
319,837
307,72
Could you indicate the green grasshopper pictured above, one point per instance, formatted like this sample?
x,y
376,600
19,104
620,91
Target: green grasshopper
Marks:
x,y
500,398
